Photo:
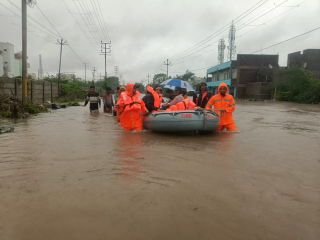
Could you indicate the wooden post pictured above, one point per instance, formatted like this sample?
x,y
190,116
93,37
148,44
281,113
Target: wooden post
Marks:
x,y
43,91
16,87
51,93
32,91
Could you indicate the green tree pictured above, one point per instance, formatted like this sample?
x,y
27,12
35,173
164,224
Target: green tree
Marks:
x,y
159,78
302,87
142,88
112,82
188,76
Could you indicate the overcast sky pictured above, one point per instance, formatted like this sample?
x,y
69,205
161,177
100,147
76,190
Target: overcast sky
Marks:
x,y
144,33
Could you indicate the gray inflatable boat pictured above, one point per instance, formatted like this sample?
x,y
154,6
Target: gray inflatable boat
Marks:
x,y
182,121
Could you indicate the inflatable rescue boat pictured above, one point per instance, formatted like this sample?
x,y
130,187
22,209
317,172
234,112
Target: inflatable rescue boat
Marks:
x,y
182,121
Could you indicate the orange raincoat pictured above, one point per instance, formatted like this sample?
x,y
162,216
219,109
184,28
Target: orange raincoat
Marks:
x,y
119,113
227,102
132,106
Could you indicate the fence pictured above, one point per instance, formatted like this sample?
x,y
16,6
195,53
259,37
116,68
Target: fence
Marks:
x,y
38,91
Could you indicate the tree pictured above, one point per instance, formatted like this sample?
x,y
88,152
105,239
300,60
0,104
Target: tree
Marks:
x,y
112,82
141,88
187,76
159,78
302,87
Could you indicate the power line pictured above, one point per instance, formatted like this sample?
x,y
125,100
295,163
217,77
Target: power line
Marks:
x,y
249,30
222,29
217,32
266,47
18,8
287,40
48,20
51,35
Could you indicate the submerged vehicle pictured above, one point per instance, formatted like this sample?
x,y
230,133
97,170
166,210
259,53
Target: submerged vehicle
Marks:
x,y
182,121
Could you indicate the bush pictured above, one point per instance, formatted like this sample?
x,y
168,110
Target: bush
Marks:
x,y
33,109
302,88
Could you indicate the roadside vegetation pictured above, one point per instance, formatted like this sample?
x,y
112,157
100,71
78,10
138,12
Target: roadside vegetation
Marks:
x,y
73,90
11,107
302,87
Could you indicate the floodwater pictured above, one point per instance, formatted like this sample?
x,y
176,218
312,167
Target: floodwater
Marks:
x,y
69,175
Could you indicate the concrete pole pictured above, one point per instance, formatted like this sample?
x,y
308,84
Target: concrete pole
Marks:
x,y
148,77
24,51
167,67
85,72
61,43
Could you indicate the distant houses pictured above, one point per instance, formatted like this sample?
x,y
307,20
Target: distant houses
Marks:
x,y
252,74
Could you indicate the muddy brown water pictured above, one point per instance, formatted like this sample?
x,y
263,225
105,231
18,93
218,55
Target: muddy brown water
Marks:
x,y
69,175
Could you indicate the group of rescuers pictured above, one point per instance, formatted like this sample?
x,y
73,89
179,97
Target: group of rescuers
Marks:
x,y
129,103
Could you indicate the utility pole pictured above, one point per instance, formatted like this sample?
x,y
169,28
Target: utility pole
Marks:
x,y
40,74
150,76
168,63
24,51
85,71
105,58
93,73
116,69
232,45
61,43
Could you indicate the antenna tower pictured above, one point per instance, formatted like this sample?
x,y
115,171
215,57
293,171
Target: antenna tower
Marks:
x,y
221,48
232,46
40,68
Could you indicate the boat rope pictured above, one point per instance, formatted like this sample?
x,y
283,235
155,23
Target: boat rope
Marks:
x,y
204,111
204,114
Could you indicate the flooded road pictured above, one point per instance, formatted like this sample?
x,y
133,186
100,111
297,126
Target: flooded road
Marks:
x,y
69,175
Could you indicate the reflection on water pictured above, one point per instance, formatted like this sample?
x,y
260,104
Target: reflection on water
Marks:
x,y
130,154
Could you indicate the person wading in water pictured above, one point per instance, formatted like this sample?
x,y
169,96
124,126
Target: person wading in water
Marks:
x,y
94,99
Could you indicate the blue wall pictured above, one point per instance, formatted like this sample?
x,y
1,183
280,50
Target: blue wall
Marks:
x,y
219,67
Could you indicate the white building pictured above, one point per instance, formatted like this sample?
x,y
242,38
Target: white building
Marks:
x,y
66,76
10,63
32,75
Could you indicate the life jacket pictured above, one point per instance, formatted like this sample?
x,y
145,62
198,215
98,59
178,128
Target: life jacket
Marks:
x,y
181,106
173,108
189,105
157,98
131,102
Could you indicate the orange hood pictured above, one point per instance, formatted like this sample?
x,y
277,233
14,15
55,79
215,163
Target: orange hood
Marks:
x,y
130,88
122,87
222,85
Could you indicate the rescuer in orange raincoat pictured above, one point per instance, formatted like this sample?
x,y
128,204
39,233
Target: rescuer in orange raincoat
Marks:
x,y
132,105
119,113
154,99
226,105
